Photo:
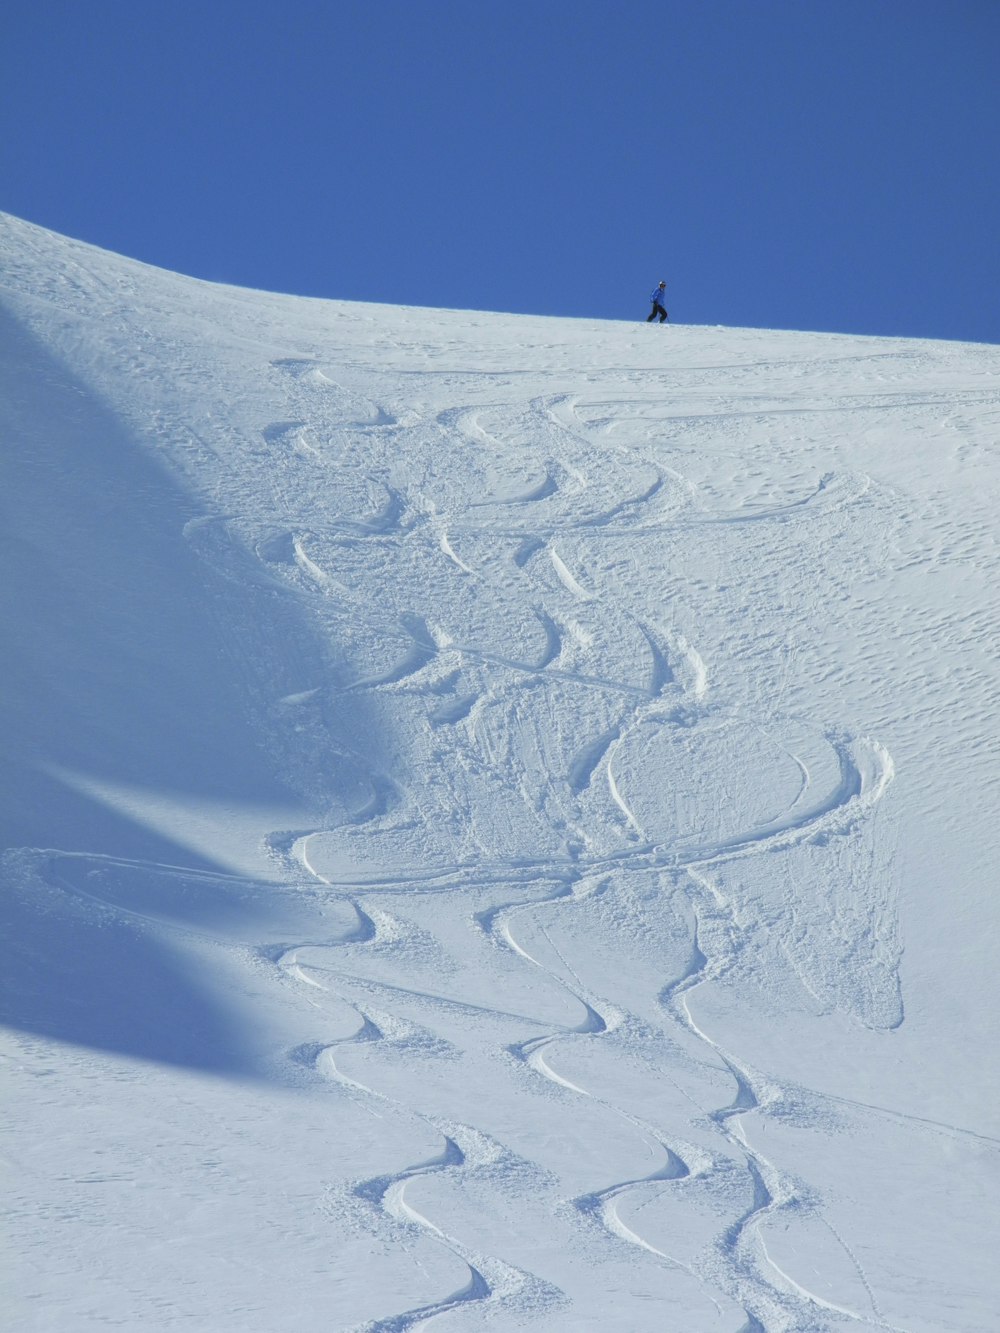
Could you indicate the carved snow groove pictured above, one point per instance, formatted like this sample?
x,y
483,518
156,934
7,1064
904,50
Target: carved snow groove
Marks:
x,y
616,796
772,1298
316,573
549,651
863,783
770,1191
832,490
589,758
496,922
292,436
379,522
512,476
525,444
493,1282
213,540
567,579
598,1206
354,410
449,551
697,668
601,1205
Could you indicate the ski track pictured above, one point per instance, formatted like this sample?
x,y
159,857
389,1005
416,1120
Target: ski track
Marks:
x,y
741,1245
492,1282
539,487
600,1019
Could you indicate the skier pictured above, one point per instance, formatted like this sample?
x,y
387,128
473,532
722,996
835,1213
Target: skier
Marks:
x,y
657,296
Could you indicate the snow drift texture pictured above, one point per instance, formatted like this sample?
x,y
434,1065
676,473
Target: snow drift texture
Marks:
x,y
501,816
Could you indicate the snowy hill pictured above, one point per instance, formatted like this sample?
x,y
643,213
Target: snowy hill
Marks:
x,y
502,816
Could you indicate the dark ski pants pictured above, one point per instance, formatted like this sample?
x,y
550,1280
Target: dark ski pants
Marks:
x,y
656,310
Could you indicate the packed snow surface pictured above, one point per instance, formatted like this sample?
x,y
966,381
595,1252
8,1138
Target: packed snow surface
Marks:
x,y
502,817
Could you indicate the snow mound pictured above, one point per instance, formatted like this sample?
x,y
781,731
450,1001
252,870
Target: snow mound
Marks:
x,y
499,815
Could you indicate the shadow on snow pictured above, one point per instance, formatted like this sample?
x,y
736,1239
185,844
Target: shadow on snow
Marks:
x,y
128,659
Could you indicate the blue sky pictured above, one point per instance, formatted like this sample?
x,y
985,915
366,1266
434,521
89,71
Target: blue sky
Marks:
x,y
782,163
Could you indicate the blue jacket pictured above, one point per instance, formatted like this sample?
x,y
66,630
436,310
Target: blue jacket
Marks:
x,y
658,294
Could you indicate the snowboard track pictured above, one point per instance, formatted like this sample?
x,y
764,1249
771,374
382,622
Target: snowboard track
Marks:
x,y
557,496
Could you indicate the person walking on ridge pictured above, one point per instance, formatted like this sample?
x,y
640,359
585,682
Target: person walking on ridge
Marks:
x,y
658,296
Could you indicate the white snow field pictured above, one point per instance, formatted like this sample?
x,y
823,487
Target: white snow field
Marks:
x,y
502,817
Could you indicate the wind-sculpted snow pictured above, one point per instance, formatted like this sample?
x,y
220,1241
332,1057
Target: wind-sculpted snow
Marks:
x,y
511,756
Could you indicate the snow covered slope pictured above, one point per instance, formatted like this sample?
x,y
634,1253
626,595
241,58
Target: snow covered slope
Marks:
x,y
502,816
